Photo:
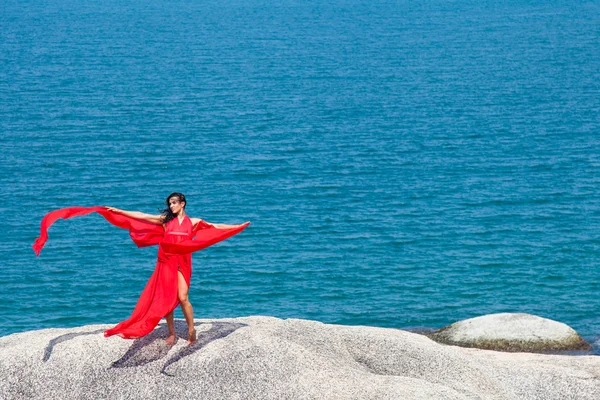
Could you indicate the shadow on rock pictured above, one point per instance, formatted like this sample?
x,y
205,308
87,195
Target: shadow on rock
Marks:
x,y
149,348
153,347
64,338
218,330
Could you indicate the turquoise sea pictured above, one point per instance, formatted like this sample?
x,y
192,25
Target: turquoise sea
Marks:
x,y
403,163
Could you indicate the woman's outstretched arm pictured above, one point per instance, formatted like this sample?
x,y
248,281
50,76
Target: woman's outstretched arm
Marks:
x,y
218,226
154,219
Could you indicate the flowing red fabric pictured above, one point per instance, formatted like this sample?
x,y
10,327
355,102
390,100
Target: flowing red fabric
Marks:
x,y
177,240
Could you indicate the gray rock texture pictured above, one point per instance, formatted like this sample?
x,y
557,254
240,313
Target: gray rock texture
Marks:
x,y
270,358
512,332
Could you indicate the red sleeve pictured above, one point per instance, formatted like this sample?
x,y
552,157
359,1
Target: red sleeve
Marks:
x,y
202,224
141,232
206,236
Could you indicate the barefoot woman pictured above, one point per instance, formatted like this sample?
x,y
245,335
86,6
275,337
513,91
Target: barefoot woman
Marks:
x,y
178,227
168,286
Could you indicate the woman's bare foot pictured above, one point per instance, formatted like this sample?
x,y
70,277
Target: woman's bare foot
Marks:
x,y
191,337
170,340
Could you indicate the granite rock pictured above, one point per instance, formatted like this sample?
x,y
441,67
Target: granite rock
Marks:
x,y
271,358
512,332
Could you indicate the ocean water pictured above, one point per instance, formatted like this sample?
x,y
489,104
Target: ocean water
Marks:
x,y
403,163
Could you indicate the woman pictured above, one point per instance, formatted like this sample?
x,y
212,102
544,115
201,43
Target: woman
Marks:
x,y
178,236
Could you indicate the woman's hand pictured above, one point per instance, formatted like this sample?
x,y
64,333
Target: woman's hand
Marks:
x,y
114,209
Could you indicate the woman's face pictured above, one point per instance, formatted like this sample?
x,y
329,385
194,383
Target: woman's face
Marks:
x,y
175,205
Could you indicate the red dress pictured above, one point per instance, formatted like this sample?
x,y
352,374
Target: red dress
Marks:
x,y
176,243
160,294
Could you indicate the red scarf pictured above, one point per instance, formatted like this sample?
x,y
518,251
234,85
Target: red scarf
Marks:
x,y
142,233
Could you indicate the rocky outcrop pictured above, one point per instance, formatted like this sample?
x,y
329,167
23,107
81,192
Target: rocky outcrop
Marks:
x,y
512,332
270,358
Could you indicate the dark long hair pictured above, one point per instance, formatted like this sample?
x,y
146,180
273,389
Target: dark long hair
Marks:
x,y
167,211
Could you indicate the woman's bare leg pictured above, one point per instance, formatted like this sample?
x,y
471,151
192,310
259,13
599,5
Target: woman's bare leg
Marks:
x,y
186,307
171,326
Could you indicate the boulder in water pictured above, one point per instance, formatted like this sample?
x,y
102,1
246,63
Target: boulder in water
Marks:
x,y
514,332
